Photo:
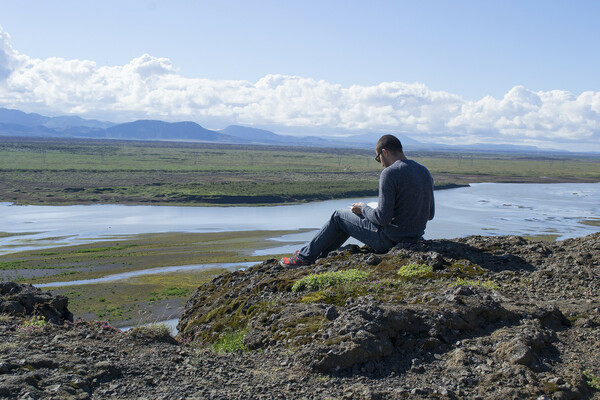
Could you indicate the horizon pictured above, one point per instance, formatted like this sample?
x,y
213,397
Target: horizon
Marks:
x,y
459,73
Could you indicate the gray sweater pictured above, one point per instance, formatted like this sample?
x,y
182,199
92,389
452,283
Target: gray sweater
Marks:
x,y
405,201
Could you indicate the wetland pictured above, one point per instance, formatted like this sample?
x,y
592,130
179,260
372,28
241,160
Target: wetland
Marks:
x,y
77,210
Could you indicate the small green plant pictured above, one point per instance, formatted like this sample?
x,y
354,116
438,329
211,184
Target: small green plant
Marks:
x,y
32,325
327,279
35,321
415,270
471,283
592,380
231,342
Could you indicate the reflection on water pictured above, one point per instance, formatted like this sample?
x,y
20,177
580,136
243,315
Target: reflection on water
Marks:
x,y
484,208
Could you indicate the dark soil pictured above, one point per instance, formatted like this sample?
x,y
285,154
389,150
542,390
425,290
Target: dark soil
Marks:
x,y
495,318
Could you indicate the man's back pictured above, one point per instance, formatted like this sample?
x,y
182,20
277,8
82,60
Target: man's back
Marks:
x,y
406,201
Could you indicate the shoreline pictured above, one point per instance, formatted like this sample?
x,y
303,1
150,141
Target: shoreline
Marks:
x,y
456,181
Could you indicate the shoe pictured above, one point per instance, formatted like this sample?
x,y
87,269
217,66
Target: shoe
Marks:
x,y
294,261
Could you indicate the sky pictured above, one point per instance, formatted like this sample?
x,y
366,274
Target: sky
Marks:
x,y
453,72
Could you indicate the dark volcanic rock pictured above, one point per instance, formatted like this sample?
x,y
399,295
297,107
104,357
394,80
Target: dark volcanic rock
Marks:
x,y
26,299
491,307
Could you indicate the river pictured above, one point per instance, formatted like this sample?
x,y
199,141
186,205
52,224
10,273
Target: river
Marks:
x,y
561,210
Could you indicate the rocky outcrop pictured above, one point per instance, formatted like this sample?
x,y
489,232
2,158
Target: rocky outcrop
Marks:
x,y
16,299
501,308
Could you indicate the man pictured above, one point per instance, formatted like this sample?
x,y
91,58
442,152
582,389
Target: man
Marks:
x,y
405,205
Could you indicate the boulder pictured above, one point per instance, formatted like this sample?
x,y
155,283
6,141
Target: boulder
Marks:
x,y
25,299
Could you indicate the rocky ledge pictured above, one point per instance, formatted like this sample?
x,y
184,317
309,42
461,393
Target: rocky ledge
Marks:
x,y
470,318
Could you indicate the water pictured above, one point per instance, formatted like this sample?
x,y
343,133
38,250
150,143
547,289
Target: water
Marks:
x,y
482,209
149,271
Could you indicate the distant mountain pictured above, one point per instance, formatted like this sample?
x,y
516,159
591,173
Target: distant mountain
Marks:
x,y
20,118
160,130
7,129
253,135
19,123
8,116
66,122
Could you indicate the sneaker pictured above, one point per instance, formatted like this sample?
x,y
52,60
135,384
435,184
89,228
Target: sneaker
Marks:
x,y
294,261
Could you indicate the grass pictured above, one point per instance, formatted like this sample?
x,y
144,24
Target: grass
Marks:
x,y
134,253
324,280
43,171
230,342
152,297
136,300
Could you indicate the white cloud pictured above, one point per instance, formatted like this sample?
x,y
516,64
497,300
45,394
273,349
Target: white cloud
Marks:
x,y
150,87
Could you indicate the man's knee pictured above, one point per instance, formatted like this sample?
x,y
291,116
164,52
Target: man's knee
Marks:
x,y
339,215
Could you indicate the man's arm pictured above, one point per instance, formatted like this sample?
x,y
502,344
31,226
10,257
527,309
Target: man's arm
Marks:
x,y
384,213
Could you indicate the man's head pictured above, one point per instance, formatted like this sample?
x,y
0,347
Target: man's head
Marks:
x,y
388,150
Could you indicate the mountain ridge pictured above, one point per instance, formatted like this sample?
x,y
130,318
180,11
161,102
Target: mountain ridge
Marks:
x,y
18,123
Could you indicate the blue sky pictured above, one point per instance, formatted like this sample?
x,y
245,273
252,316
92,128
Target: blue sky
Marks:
x,y
443,71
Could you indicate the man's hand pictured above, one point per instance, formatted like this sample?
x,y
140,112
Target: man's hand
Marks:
x,y
357,208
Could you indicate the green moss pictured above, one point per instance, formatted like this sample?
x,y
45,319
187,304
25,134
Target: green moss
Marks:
x,y
415,271
592,380
462,269
315,297
328,279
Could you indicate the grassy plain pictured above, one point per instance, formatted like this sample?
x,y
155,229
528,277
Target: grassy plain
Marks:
x,y
148,297
45,171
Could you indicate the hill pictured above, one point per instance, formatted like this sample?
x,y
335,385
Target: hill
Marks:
x,y
470,318
160,130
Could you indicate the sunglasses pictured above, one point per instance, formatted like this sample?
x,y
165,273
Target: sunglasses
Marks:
x,y
378,156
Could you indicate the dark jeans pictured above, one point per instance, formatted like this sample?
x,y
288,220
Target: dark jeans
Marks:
x,y
342,225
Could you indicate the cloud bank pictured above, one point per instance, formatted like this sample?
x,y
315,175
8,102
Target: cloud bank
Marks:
x,y
150,87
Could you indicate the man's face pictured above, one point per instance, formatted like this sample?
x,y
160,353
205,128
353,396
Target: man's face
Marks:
x,y
380,157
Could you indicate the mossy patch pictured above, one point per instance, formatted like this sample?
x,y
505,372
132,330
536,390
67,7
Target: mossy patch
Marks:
x,y
415,271
462,269
328,279
592,380
336,295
